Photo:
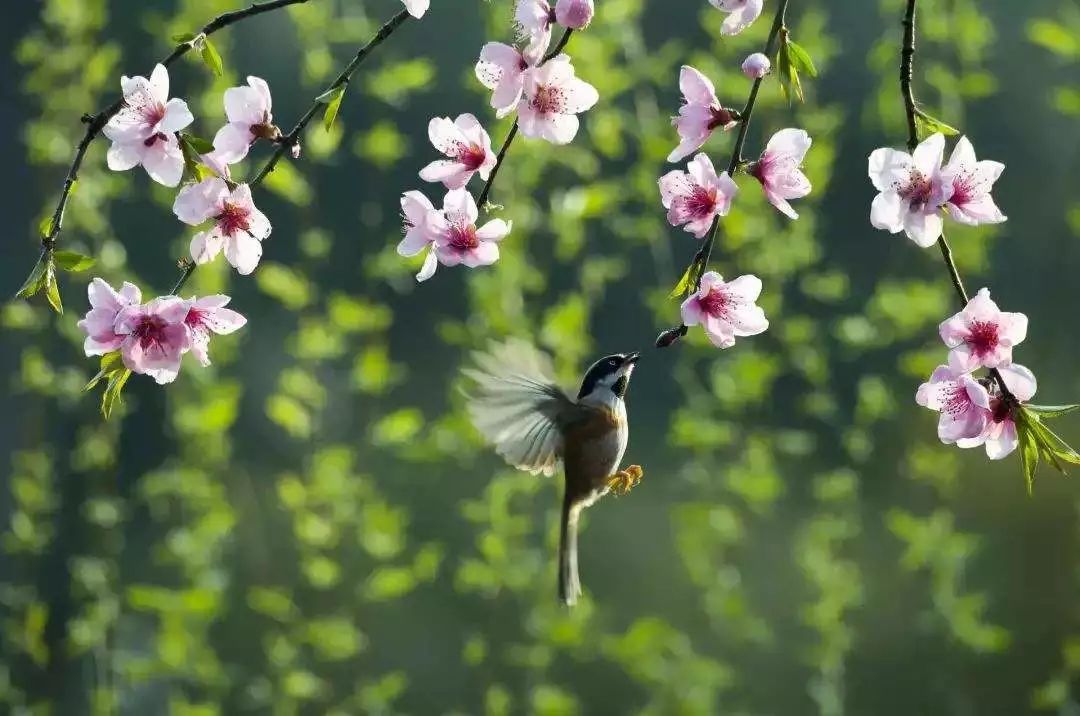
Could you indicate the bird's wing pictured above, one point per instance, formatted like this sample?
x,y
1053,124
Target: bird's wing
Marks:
x,y
517,406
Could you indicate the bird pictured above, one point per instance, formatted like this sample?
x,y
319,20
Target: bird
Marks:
x,y
536,426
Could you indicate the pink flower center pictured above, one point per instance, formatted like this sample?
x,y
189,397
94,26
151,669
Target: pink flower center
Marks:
x,y
472,156
982,337
966,187
233,219
195,318
701,202
1001,410
716,303
463,237
720,117
548,100
917,190
150,332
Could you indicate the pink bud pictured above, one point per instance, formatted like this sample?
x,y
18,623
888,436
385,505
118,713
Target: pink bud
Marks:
x,y
756,66
574,14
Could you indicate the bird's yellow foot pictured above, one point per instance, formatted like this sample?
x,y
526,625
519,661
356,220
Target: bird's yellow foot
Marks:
x,y
625,480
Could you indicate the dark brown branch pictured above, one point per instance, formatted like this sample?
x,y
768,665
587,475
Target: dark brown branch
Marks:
x,y
701,257
486,191
290,140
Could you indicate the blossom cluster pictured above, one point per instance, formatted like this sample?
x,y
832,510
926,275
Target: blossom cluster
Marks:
x,y
697,197
916,190
152,337
546,95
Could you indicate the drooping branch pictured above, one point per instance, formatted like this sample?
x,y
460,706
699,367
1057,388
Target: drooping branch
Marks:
x,y
486,191
290,140
701,257
96,122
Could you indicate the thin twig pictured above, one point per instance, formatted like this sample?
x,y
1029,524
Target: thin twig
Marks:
x,y
290,140
704,252
486,191
911,112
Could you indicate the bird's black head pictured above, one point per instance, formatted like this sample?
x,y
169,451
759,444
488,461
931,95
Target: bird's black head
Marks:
x,y
608,378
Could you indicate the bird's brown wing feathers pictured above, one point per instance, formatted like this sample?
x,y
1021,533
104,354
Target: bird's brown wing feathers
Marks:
x,y
517,406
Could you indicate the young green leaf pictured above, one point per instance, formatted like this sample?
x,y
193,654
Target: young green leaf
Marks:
x,y
111,396
52,289
35,281
73,261
1052,411
184,38
926,125
45,226
106,368
685,284
332,106
800,59
198,144
211,57
331,94
787,73
1029,450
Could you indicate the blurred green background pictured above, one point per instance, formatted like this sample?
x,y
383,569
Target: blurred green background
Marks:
x,y
310,526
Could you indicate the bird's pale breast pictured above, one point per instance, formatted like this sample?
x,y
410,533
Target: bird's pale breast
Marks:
x,y
595,447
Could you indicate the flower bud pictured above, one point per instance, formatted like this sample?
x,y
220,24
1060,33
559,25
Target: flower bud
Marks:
x,y
669,336
574,14
756,66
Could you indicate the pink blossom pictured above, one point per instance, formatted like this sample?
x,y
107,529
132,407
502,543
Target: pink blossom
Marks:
x,y
756,66
100,321
420,220
534,19
501,69
964,405
144,130
154,337
741,14
968,183
574,14
238,227
780,169
553,97
699,115
1000,433
458,240
208,315
982,335
417,8
697,196
725,310
911,190
248,110
466,144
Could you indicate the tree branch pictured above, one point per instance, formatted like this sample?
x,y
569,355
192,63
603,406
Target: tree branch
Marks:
x,y
486,191
95,123
290,140
704,252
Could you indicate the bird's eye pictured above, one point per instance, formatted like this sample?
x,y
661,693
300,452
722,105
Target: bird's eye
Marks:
x,y
612,361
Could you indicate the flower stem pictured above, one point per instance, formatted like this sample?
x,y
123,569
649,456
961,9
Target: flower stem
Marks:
x,y
287,142
486,191
701,257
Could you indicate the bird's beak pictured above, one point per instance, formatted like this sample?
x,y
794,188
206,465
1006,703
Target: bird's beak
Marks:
x,y
631,358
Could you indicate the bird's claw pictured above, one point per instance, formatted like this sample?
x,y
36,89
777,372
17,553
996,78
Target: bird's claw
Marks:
x,y
625,480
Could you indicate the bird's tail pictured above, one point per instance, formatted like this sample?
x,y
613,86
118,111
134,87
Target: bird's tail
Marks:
x,y
569,583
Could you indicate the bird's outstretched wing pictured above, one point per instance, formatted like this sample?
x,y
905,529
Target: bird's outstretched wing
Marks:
x,y
517,406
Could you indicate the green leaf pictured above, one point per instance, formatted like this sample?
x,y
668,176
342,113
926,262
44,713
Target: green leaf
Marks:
x,y
925,125
73,261
111,396
1052,411
198,144
45,226
787,73
35,281
184,38
210,57
107,367
1029,450
332,106
800,59
331,94
52,290
685,284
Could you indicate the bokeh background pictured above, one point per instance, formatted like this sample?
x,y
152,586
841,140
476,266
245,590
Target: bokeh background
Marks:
x,y
310,526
